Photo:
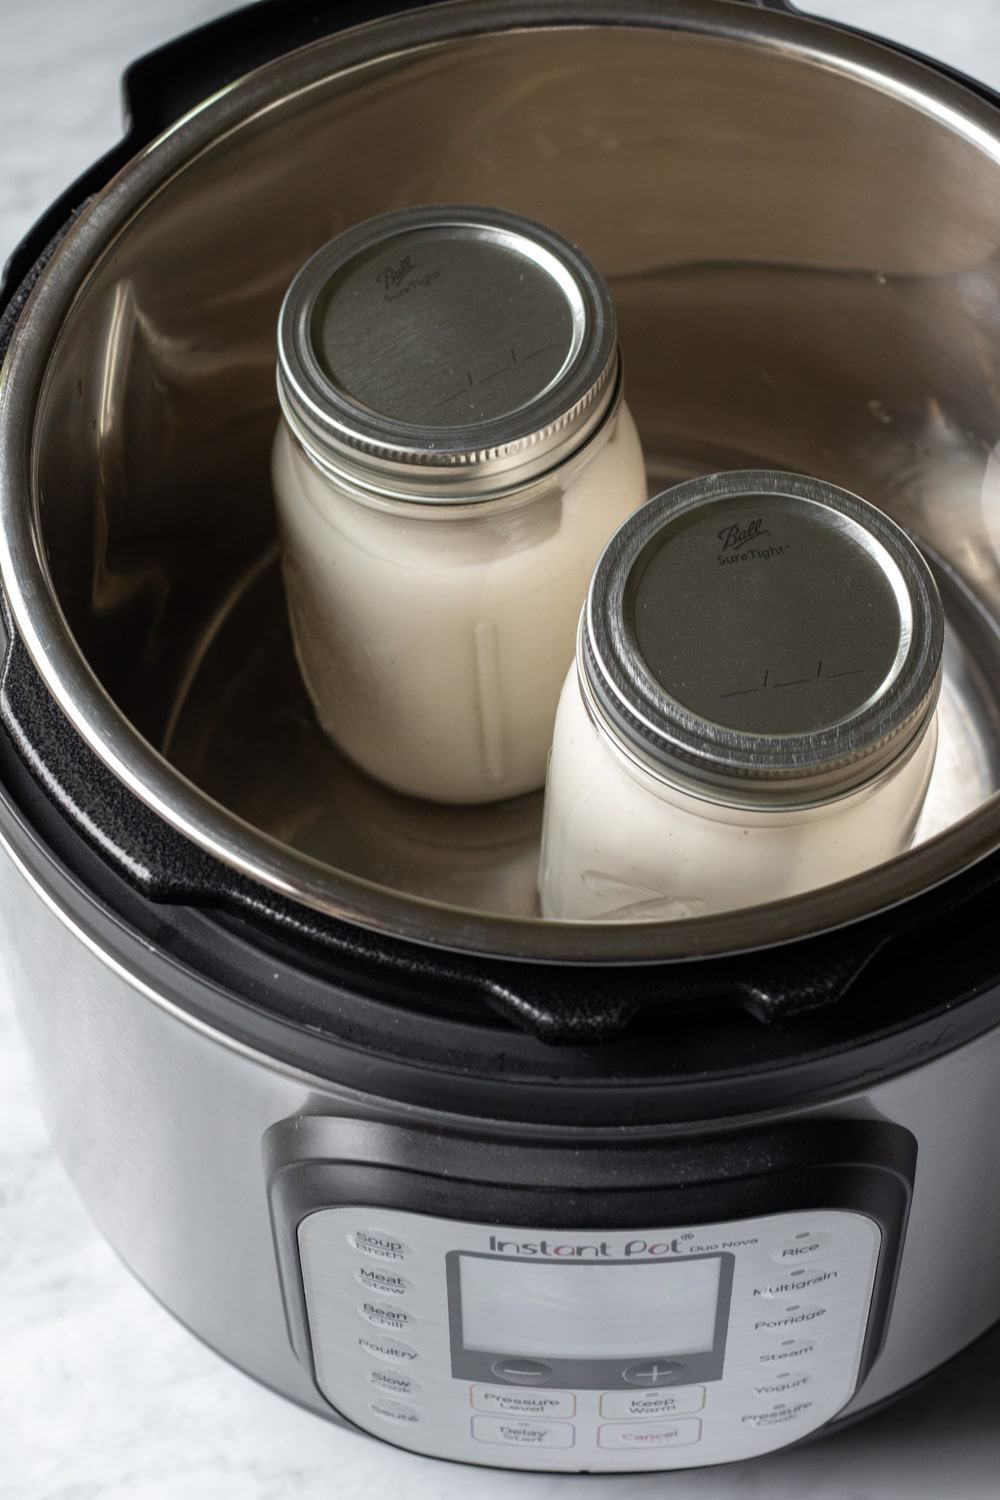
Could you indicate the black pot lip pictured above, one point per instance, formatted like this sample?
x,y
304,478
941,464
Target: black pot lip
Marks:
x,y
228,838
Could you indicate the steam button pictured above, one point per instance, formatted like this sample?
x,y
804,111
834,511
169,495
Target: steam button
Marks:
x,y
522,1371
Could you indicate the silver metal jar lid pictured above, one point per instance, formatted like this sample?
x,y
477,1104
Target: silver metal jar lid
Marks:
x,y
446,352
766,636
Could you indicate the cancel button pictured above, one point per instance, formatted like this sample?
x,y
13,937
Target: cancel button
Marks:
x,y
638,1435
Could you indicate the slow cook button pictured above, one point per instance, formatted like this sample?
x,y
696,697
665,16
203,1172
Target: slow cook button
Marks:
x,y
788,1352
523,1403
392,1383
384,1316
792,1316
792,1282
385,1283
520,1434
674,1403
639,1435
382,1246
802,1246
393,1350
779,1415
393,1411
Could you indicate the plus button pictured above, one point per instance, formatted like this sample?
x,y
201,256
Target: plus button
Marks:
x,y
652,1372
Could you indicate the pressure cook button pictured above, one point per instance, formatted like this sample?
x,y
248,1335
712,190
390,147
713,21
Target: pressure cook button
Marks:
x,y
393,1383
522,1403
802,1246
680,1401
790,1352
381,1246
653,1372
385,1283
638,1435
522,1371
392,1350
384,1316
779,1415
517,1434
393,1411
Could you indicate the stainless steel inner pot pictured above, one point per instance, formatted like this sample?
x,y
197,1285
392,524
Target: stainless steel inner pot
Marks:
x,y
802,233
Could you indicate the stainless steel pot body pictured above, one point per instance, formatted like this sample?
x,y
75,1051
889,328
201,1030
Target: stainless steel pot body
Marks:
x,y
163,1124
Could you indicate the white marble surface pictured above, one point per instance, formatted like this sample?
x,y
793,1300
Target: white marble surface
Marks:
x,y
102,1395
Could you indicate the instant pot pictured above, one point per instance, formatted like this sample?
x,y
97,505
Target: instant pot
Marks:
x,y
540,1195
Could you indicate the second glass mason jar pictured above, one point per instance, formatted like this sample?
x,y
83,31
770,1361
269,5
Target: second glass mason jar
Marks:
x,y
454,453
752,709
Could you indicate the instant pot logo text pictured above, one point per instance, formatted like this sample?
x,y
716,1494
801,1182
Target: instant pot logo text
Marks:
x,y
739,543
592,1249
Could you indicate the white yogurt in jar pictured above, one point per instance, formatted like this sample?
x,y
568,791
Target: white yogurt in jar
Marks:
x,y
454,454
752,709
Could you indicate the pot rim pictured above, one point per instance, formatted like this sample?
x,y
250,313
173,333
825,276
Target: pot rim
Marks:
x,y
73,684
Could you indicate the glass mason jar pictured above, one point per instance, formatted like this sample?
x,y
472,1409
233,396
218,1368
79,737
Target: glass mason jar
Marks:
x,y
454,453
752,711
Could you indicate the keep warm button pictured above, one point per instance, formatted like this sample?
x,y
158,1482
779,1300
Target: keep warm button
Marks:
x,y
522,1434
636,1435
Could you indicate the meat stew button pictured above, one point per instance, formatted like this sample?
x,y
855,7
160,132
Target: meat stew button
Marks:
x,y
638,1435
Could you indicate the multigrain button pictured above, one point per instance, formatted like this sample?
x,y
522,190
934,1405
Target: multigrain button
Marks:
x,y
393,1350
788,1352
799,1279
385,1283
393,1383
385,1316
522,1403
393,1411
653,1372
382,1246
801,1247
520,1434
672,1403
522,1371
638,1435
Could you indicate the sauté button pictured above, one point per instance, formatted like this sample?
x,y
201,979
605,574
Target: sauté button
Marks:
x,y
392,1383
381,1246
681,1400
801,1246
519,1434
637,1435
392,1411
653,1372
521,1371
522,1403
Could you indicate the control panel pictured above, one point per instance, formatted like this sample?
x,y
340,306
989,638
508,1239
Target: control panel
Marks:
x,y
570,1350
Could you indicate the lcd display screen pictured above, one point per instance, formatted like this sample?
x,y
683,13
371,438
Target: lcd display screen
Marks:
x,y
589,1311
